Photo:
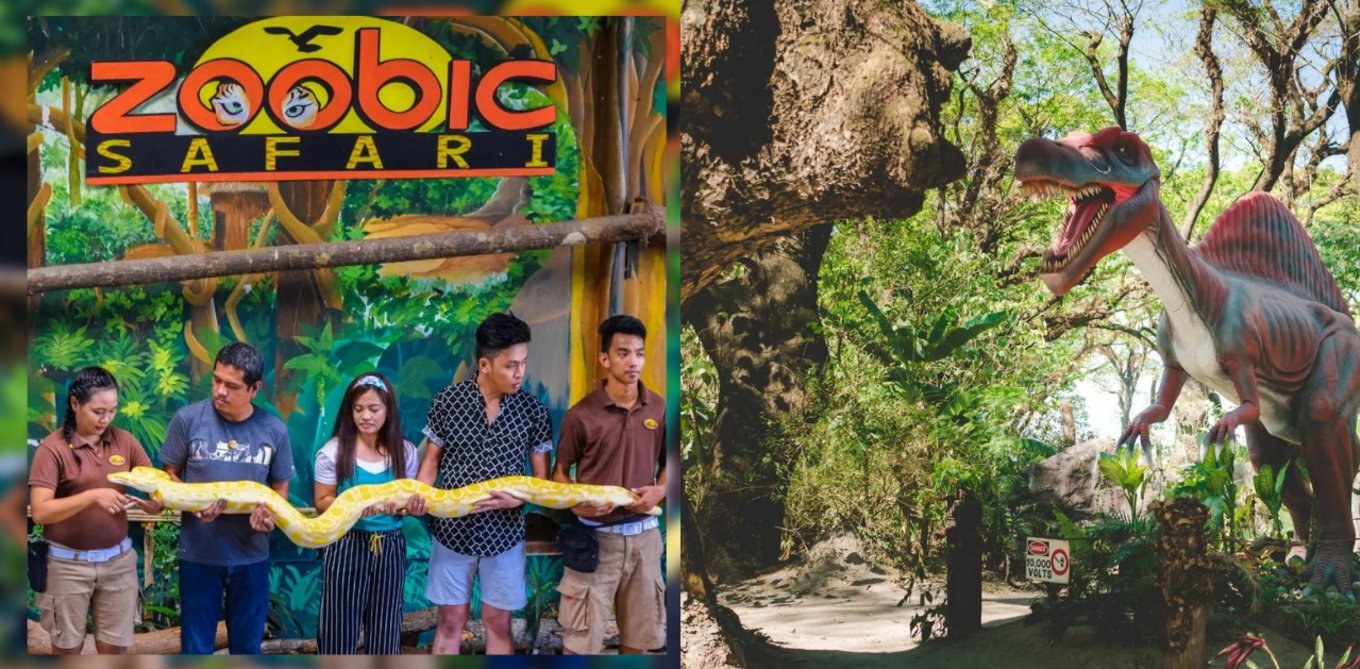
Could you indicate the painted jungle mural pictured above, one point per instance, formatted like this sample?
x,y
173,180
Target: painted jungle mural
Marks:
x,y
412,321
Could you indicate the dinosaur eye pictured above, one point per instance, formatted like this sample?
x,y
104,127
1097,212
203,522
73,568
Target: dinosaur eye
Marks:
x,y
1125,153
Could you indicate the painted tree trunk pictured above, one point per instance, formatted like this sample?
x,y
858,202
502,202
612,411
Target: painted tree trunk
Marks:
x,y
301,300
37,231
1183,572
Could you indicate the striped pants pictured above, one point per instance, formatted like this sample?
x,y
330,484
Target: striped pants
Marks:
x,y
363,579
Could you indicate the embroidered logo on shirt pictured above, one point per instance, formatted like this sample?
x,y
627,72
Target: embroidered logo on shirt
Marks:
x,y
116,460
650,423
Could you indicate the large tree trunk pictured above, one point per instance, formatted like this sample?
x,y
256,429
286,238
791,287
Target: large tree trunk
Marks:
x,y
848,125
758,330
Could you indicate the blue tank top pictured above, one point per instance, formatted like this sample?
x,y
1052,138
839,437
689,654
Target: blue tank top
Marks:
x,y
362,476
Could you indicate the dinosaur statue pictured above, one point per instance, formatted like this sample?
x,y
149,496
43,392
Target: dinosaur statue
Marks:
x,y
1250,312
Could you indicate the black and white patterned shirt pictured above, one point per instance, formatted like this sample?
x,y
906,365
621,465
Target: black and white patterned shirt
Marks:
x,y
474,451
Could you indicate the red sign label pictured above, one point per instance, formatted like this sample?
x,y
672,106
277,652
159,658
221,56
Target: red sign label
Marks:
x,y
1038,547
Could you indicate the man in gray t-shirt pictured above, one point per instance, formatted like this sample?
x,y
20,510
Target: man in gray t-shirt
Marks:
x,y
227,438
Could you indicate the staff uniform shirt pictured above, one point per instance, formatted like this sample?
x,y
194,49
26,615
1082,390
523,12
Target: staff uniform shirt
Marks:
x,y
611,445
70,468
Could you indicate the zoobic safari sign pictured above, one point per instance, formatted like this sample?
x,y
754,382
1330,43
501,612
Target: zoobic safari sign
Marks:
x,y
306,97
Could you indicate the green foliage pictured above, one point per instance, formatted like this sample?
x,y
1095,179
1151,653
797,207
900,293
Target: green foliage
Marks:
x,y
943,339
1211,481
1268,486
698,413
540,581
1113,575
161,598
1125,472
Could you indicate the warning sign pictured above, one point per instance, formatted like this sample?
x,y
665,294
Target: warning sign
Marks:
x,y
1048,560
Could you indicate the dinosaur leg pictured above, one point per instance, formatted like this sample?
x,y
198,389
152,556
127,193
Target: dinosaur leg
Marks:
x,y
1327,422
1268,449
1329,451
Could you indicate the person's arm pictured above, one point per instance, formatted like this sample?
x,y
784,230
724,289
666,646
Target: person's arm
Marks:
x,y
559,473
325,487
429,465
325,496
435,432
540,458
568,449
48,509
260,519
539,463
650,495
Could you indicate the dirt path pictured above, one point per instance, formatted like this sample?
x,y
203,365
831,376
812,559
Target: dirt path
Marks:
x,y
838,609
837,599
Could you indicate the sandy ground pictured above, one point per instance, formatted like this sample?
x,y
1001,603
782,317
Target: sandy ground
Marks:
x,y
837,599
839,609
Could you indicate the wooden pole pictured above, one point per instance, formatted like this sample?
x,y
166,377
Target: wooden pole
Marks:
x,y
650,221
1183,575
963,583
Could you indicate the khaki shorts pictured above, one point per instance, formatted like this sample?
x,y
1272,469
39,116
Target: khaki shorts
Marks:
x,y
628,581
73,585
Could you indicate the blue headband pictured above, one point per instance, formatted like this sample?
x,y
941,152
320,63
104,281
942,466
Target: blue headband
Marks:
x,y
371,380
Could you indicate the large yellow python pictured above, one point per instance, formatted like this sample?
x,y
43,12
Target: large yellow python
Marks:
x,y
348,508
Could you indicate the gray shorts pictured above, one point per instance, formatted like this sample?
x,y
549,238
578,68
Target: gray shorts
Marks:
x,y
451,574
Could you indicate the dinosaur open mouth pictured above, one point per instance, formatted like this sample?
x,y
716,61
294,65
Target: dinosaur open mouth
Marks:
x,y
1086,209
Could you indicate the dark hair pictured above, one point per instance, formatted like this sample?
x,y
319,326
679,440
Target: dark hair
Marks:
x,y
244,357
346,433
620,324
499,332
87,382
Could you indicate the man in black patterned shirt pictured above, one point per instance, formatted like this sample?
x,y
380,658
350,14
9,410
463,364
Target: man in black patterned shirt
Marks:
x,y
480,429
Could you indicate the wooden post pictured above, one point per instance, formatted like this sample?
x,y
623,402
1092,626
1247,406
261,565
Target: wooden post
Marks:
x,y
648,222
963,584
1183,575
148,552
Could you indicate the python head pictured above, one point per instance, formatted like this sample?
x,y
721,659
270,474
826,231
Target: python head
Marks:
x,y
1111,186
145,479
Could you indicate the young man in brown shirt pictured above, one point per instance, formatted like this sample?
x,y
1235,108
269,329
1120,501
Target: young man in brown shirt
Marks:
x,y
617,436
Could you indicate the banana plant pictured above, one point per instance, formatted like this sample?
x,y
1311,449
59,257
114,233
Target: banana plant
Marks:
x,y
1211,481
907,348
1269,486
1124,471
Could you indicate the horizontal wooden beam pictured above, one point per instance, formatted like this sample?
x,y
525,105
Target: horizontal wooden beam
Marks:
x,y
649,221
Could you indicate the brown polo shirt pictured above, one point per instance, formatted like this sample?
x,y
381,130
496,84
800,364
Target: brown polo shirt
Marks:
x,y
72,469
611,445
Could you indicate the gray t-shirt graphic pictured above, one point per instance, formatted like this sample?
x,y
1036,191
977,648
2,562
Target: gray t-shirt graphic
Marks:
x,y
207,447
